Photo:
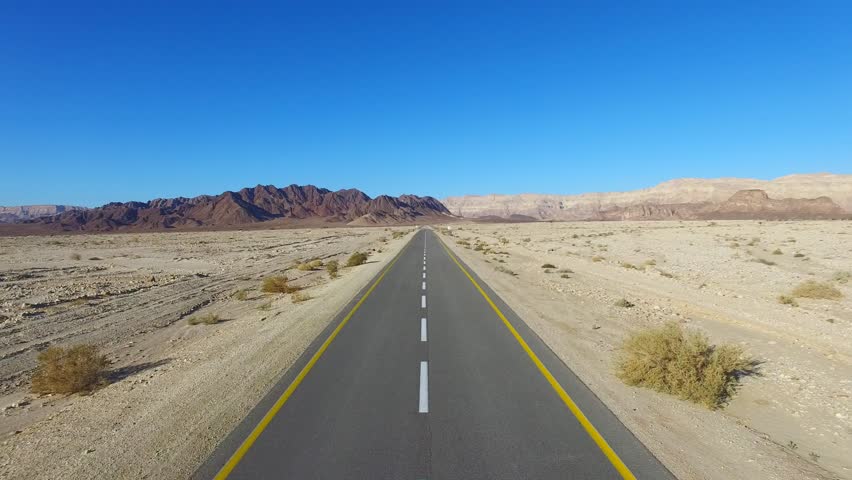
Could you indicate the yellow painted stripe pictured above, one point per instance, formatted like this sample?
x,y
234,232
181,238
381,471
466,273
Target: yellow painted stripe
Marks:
x,y
249,441
569,402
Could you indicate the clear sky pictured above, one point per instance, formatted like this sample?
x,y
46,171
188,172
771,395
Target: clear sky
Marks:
x,y
118,100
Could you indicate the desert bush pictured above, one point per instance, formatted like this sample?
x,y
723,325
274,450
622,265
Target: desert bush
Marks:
x,y
649,263
332,268
356,259
628,265
526,240
241,294
777,251
817,290
398,235
463,243
77,369
799,255
278,285
299,297
624,303
565,275
787,300
76,256
663,273
671,360
548,265
842,277
310,265
501,268
504,240
207,319
383,239
597,259
479,247
265,307
765,261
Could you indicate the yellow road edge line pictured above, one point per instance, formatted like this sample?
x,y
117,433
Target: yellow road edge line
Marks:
x,y
264,422
569,402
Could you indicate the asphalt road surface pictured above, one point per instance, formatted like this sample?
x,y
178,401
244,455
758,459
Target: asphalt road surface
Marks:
x,y
427,374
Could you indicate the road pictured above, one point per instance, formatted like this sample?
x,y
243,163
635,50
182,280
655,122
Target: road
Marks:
x,y
427,374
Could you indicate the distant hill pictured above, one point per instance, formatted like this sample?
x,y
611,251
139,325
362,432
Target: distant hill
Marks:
x,y
296,205
687,198
27,212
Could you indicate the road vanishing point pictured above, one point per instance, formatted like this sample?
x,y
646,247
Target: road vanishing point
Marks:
x,y
428,374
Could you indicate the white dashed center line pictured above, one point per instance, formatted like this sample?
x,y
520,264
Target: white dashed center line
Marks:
x,y
424,285
424,388
422,329
424,274
423,301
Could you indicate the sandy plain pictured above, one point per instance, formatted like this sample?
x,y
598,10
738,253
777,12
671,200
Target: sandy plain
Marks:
x,y
176,389
721,278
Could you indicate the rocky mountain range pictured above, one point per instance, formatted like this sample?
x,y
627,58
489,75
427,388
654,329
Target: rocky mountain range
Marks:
x,y
794,196
27,212
303,205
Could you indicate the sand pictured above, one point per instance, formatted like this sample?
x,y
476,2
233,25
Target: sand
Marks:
x,y
178,389
791,421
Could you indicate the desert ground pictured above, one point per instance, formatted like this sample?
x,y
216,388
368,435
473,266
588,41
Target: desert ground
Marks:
x,y
175,389
724,278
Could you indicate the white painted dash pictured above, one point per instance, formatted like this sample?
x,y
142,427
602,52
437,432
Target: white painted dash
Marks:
x,y
424,387
422,329
423,301
424,274
424,286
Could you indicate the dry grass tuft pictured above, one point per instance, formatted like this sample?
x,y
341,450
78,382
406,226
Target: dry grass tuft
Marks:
x,y
278,285
817,290
842,277
624,303
787,300
77,369
671,360
241,294
777,251
76,256
501,268
356,259
332,268
310,265
548,265
597,259
299,297
208,319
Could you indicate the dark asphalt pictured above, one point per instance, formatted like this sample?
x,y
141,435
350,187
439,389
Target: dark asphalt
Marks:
x,y
491,413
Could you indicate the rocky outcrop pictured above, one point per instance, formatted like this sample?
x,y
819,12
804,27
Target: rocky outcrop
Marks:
x,y
263,203
680,198
26,212
743,205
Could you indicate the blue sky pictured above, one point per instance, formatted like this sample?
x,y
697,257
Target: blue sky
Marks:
x,y
117,101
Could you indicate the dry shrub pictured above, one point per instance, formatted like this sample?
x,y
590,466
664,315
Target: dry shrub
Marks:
x,y
241,294
78,369
310,265
597,258
278,285
842,277
624,303
208,319
397,234
787,300
75,256
671,360
814,289
356,259
501,268
548,265
299,297
332,268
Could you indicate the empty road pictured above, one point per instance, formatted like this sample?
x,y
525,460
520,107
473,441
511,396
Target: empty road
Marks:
x,y
427,374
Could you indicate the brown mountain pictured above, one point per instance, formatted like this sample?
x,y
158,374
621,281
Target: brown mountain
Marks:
x,y
290,205
679,198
